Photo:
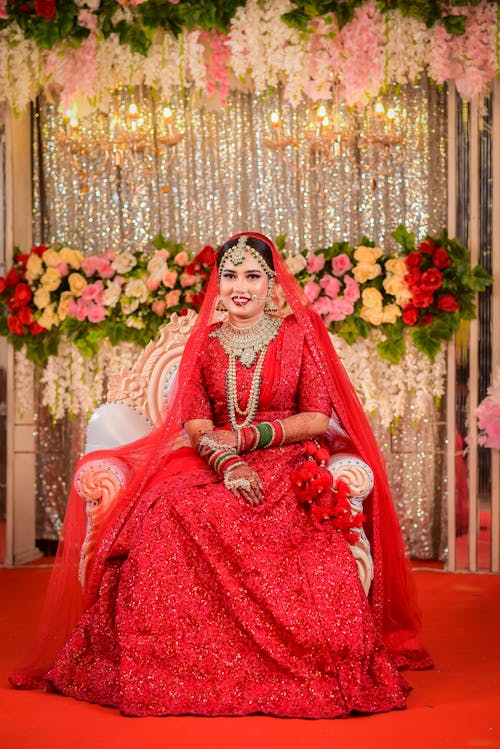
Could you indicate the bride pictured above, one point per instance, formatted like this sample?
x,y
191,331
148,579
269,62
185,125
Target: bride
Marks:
x,y
213,590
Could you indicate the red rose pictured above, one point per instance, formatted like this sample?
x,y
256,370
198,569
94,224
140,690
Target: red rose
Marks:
x,y
22,295
426,320
432,279
183,312
36,328
422,298
22,258
15,325
440,258
410,315
413,260
198,298
413,278
46,9
191,268
39,249
3,284
12,277
206,256
25,315
427,246
447,303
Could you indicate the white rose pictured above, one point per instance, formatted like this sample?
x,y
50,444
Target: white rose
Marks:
x,y
134,322
124,262
111,294
157,266
129,307
296,263
137,288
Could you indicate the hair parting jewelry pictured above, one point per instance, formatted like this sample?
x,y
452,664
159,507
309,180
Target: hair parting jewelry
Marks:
x,y
236,256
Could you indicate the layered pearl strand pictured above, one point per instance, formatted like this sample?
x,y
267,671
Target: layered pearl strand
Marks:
x,y
246,344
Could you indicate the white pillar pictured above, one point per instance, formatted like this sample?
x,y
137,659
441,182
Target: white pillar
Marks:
x,y
20,533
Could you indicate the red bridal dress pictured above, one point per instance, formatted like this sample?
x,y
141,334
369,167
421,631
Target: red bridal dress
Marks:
x,y
208,605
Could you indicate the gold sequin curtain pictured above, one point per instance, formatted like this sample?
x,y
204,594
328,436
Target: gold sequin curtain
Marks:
x,y
222,178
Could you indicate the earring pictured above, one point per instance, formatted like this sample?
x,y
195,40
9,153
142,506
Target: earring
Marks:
x,y
220,306
270,305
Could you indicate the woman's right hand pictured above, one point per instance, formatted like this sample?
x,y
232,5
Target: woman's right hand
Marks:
x,y
251,491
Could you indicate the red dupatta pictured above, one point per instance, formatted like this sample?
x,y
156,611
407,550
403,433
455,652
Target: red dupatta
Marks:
x,y
392,596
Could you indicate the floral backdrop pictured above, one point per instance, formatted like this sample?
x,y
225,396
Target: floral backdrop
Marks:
x,y
83,49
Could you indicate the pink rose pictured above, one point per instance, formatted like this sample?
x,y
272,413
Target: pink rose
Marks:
x,y
103,267
77,309
152,283
341,264
93,291
169,278
172,298
159,306
341,308
3,9
63,269
351,291
96,313
181,258
187,280
315,263
109,255
312,290
89,265
323,306
331,285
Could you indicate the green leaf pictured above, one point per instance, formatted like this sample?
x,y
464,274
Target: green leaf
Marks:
x,y
392,349
429,338
455,24
403,237
481,278
159,242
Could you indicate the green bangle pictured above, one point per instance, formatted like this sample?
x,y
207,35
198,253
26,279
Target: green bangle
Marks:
x,y
265,434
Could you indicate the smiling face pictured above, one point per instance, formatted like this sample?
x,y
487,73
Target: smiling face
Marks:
x,y
243,290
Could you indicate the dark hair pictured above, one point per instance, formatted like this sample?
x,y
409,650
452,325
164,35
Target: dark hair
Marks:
x,y
262,248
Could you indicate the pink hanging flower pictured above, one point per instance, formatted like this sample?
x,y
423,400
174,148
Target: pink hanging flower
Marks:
x,y
312,290
330,285
315,263
216,64
488,420
341,264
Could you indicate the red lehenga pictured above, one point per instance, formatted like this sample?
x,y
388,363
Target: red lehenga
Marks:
x,y
200,603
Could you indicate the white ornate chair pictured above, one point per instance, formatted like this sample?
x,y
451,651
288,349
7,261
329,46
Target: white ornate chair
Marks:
x,y
134,400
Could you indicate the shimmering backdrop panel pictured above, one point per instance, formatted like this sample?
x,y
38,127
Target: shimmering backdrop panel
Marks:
x,y
222,178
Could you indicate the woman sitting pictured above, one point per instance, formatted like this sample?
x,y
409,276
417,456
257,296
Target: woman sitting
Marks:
x,y
213,590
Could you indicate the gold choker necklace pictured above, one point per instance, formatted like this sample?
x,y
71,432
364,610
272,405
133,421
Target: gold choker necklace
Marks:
x,y
246,343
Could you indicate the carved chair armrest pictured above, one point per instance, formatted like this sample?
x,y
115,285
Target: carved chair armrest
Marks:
x,y
98,483
359,477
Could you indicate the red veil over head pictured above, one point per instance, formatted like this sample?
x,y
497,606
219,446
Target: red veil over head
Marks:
x,y
392,594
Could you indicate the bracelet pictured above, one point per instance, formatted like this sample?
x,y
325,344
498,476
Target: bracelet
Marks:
x,y
265,434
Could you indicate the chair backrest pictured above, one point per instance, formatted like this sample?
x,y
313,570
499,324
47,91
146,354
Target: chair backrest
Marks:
x,y
146,385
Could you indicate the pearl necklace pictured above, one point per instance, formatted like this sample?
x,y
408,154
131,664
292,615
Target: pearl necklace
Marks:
x,y
245,344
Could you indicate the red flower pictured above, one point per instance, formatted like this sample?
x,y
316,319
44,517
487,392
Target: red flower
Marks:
x,y
36,328
13,277
183,312
432,279
321,455
46,9
309,448
206,256
3,284
413,278
427,246
15,325
198,298
39,249
410,315
440,258
22,258
422,298
25,315
22,295
413,260
426,320
447,303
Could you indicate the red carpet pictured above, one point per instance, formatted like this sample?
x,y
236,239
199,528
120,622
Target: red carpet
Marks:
x,y
456,705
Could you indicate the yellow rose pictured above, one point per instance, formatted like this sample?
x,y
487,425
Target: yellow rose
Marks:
x,y
373,316
366,272
41,298
34,268
51,258
62,309
49,318
72,257
51,279
372,298
397,266
367,255
77,283
397,287
390,313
